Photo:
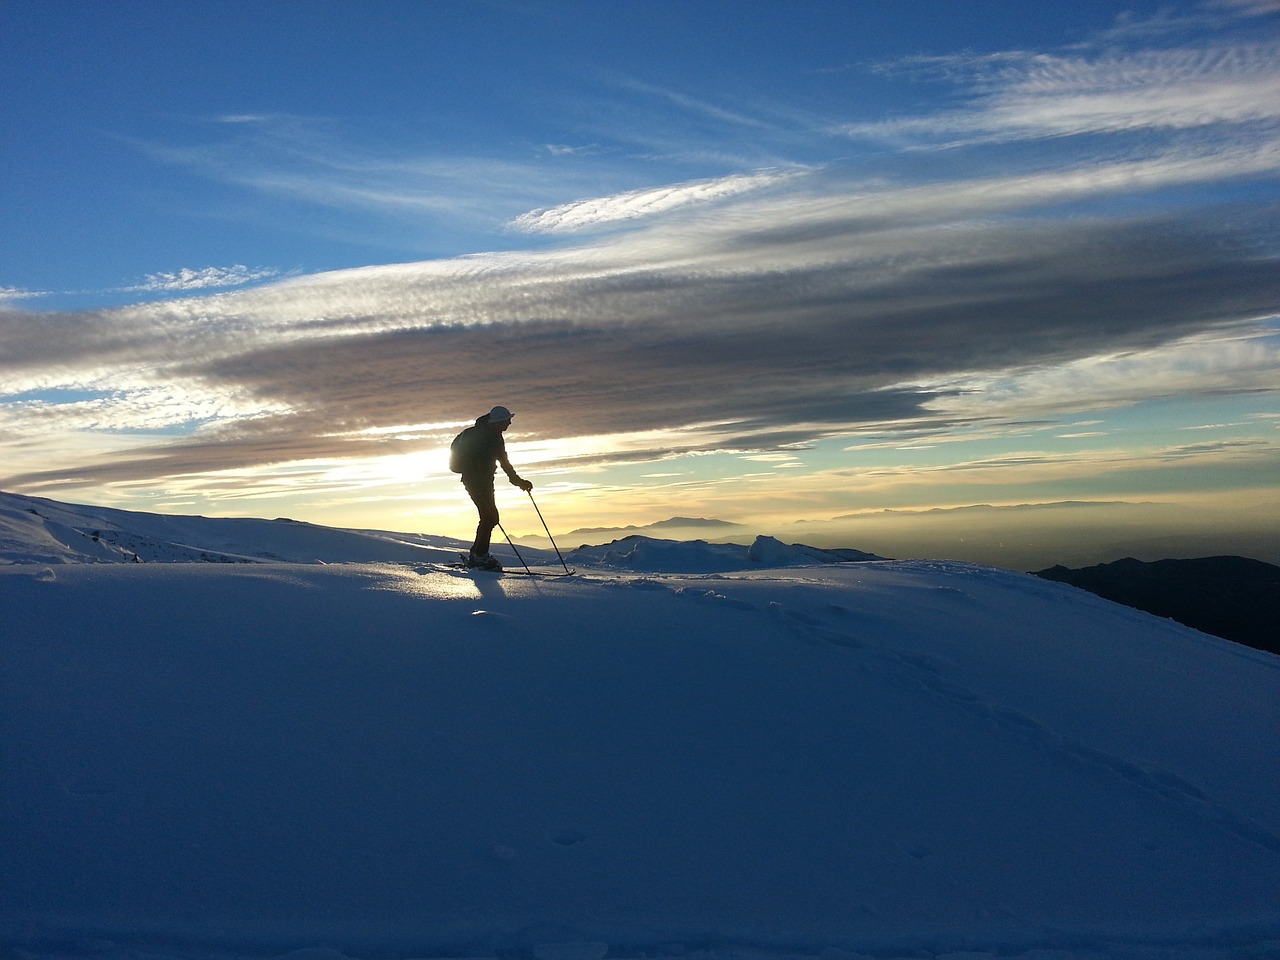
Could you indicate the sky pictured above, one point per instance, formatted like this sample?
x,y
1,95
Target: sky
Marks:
x,y
991,281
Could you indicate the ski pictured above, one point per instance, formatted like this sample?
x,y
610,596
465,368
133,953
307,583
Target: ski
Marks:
x,y
551,574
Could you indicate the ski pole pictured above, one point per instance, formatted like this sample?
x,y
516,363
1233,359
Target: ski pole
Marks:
x,y
513,546
548,529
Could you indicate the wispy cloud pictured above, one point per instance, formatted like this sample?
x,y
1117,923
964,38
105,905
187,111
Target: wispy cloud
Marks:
x,y
598,211
1230,360
1167,21
799,304
327,163
568,150
205,278
321,163
699,107
1017,96
15,294
740,333
1248,8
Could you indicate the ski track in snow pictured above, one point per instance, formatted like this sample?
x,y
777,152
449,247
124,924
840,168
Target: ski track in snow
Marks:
x,y
929,675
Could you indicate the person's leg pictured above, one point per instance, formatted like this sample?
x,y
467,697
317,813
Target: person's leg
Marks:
x,y
487,508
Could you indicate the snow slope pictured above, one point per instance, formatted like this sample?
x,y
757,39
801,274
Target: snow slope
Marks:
x,y
390,758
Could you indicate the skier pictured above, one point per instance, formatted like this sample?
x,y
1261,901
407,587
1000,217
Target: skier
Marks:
x,y
476,453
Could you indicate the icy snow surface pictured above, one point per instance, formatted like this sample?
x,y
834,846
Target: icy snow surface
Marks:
x,y
683,750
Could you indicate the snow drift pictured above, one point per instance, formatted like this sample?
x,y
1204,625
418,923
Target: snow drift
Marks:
x,y
777,756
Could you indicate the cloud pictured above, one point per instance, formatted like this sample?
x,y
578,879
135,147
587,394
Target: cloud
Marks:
x,y
704,110
567,150
1021,96
1247,8
206,278
317,162
1208,15
778,308
135,409
734,334
1233,359
14,294
587,214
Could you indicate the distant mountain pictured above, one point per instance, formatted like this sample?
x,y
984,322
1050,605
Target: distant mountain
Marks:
x,y
36,530
1231,597
992,508
640,553
681,526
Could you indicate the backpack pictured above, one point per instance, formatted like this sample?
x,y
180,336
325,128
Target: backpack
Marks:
x,y
461,449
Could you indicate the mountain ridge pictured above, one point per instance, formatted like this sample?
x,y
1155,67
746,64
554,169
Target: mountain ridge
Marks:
x,y
1237,598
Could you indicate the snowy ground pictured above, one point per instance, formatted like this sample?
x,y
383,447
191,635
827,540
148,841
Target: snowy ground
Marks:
x,y
683,750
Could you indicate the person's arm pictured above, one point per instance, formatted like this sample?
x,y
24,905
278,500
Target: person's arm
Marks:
x,y
510,471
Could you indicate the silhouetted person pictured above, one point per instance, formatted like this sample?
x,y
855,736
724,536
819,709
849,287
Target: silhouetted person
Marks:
x,y
476,453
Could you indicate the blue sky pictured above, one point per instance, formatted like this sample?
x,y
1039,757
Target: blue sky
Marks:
x,y
786,265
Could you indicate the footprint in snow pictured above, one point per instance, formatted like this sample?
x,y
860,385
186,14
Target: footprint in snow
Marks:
x,y
567,836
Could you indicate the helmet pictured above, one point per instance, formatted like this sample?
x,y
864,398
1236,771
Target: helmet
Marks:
x,y
499,415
